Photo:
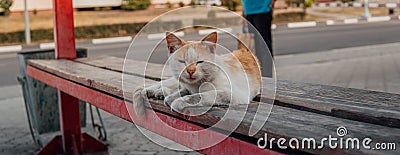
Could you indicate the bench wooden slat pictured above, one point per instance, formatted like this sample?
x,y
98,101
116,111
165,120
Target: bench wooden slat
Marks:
x,y
361,105
101,79
139,68
283,122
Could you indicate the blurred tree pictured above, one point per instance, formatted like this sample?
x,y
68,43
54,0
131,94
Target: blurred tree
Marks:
x,y
35,12
169,4
135,4
307,4
297,3
192,2
345,1
181,4
293,3
231,4
6,4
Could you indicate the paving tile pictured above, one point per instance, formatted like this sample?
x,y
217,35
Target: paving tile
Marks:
x,y
360,74
345,74
375,79
392,73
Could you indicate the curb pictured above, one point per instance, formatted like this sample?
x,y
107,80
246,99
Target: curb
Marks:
x,y
111,40
15,48
356,5
379,19
330,22
339,22
350,21
302,24
47,45
273,26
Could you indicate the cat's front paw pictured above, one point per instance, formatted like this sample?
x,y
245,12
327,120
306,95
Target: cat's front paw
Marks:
x,y
169,99
161,93
139,100
180,104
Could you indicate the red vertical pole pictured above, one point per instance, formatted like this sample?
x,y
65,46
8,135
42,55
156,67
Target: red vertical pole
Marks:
x,y
64,35
72,140
70,123
64,38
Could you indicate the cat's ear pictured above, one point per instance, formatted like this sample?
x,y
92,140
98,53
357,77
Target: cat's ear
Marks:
x,y
173,42
210,40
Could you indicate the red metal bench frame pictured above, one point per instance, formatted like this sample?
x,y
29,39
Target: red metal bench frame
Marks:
x,y
72,141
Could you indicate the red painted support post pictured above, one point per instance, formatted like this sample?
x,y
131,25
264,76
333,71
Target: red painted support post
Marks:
x,y
64,35
72,140
69,121
64,38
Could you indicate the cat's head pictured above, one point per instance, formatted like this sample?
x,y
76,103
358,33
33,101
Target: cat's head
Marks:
x,y
192,61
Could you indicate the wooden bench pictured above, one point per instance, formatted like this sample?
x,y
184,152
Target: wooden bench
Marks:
x,y
301,110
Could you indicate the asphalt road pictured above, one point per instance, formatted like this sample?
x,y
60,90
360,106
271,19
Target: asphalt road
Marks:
x,y
286,41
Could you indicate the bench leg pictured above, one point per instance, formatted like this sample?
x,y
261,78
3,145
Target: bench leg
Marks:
x,y
72,140
70,122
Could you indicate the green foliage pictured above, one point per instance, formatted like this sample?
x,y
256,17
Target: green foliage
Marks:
x,y
91,32
231,4
294,3
86,32
192,2
135,4
168,4
35,12
307,3
181,4
346,1
304,3
6,4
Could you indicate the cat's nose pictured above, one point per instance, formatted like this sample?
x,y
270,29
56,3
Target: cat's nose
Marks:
x,y
191,71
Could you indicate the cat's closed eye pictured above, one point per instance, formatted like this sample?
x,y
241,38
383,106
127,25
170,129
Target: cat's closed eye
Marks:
x,y
181,61
199,62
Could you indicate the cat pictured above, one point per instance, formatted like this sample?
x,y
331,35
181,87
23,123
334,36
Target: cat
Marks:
x,y
203,78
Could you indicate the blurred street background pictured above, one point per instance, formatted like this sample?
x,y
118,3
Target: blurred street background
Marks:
x,y
342,49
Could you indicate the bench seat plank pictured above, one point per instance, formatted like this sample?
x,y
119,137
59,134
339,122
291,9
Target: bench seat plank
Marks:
x,y
355,104
361,105
139,68
283,121
101,79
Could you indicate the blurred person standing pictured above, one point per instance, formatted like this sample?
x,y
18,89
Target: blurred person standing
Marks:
x,y
259,14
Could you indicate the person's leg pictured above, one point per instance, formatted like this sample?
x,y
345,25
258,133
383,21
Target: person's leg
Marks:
x,y
263,22
263,42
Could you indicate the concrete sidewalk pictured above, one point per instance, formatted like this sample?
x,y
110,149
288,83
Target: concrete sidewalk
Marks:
x,y
374,67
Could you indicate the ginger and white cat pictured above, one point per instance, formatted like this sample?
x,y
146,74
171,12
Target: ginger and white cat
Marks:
x,y
203,78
